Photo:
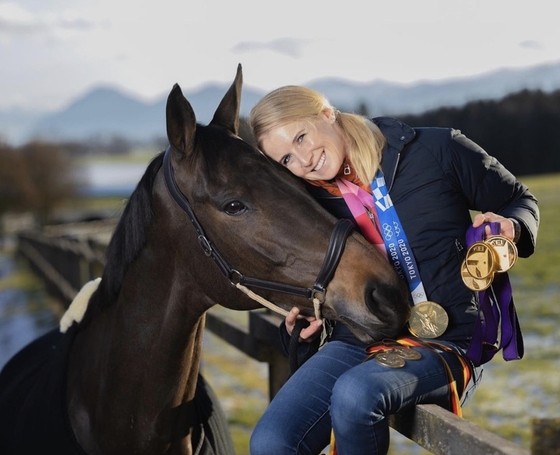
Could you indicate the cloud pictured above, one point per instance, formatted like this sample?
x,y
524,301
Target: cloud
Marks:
x,y
78,24
531,44
291,47
17,21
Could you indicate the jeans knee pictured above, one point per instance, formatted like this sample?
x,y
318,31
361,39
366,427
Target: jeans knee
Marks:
x,y
266,440
260,442
353,401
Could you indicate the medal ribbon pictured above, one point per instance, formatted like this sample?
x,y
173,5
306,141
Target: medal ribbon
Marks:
x,y
455,396
496,315
382,213
396,242
361,205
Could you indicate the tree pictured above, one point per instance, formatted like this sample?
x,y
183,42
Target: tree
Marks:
x,y
9,193
37,177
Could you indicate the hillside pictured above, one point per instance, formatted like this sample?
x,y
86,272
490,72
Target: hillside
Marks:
x,y
107,112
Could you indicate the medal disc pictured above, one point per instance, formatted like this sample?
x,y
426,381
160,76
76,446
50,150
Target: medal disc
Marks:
x,y
475,284
389,359
407,353
427,320
506,252
481,260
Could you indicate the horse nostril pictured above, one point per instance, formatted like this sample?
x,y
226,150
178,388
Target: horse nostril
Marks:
x,y
372,301
388,305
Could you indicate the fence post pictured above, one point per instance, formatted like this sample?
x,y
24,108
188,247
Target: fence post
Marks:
x,y
278,372
545,438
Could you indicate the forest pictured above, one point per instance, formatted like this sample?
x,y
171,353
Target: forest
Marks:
x,y
520,130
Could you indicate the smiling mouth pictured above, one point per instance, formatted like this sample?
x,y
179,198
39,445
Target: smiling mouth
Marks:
x,y
321,162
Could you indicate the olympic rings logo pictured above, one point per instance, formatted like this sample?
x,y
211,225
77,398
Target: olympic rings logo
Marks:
x,y
387,231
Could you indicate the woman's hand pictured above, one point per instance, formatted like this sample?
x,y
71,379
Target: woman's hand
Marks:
x,y
507,229
307,334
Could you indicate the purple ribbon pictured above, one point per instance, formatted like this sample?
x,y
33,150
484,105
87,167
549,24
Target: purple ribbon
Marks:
x,y
497,325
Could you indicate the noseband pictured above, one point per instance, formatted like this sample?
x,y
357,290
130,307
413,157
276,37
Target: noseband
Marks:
x,y
316,293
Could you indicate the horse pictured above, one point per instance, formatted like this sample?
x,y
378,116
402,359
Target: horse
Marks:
x,y
211,216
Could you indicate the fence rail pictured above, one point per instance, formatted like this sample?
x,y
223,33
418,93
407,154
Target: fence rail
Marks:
x,y
68,256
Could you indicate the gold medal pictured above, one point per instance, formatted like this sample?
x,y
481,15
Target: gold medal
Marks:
x,y
428,320
389,359
481,260
506,252
475,284
407,353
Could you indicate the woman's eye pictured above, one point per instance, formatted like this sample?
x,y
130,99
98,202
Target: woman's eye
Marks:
x,y
286,160
234,208
300,138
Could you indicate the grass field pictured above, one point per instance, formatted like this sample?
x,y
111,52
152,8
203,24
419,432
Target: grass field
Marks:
x,y
512,393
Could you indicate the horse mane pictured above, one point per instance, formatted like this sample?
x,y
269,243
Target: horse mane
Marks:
x,y
128,238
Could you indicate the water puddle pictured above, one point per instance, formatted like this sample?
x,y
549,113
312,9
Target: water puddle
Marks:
x,y
24,313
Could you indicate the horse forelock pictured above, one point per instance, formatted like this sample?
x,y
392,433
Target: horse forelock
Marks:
x,y
214,160
221,155
128,238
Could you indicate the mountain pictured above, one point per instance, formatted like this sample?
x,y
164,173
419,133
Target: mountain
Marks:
x,y
384,98
106,112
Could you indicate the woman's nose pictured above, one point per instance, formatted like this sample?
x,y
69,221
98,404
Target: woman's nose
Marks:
x,y
305,158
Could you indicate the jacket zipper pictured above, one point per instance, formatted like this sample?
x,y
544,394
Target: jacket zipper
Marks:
x,y
394,171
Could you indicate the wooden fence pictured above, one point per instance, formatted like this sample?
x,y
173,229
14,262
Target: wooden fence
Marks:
x,y
68,256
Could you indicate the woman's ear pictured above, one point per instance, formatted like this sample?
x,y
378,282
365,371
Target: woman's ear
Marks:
x,y
329,114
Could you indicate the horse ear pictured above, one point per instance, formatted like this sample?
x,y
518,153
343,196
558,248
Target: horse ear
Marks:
x,y
227,114
181,121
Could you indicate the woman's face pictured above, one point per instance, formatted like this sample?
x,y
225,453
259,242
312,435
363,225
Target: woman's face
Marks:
x,y
313,149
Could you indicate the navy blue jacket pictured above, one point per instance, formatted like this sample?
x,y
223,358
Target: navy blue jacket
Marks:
x,y
436,176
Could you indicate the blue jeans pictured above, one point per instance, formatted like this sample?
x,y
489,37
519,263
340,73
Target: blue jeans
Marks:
x,y
336,389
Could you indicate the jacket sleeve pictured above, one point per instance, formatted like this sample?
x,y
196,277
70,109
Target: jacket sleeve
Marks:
x,y
490,187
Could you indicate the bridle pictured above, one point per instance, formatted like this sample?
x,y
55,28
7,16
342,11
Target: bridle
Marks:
x,y
316,293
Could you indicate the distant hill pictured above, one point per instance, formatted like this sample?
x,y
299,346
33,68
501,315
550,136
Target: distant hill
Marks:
x,y
384,98
104,112
107,112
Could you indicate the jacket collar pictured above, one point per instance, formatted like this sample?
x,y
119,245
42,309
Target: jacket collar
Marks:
x,y
398,134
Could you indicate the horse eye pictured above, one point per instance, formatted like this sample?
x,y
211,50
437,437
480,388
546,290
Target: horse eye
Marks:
x,y
234,208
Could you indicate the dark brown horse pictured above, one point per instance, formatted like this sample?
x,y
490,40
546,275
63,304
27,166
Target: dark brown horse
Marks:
x,y
209,212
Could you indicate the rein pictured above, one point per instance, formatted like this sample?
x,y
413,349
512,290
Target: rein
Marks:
x,y
316,293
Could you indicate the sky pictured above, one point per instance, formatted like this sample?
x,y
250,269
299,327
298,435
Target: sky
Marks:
x,y
52,51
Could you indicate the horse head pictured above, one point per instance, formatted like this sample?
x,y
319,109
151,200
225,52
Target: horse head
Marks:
x,y
262,223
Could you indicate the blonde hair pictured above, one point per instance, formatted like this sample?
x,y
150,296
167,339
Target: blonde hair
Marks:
x,y
290,103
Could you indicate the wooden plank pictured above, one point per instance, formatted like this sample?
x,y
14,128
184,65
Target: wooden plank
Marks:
x,y
50,274
237,335
260,341
263,325
443,433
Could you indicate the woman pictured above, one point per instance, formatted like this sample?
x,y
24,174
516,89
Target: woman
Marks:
x,y
418,184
